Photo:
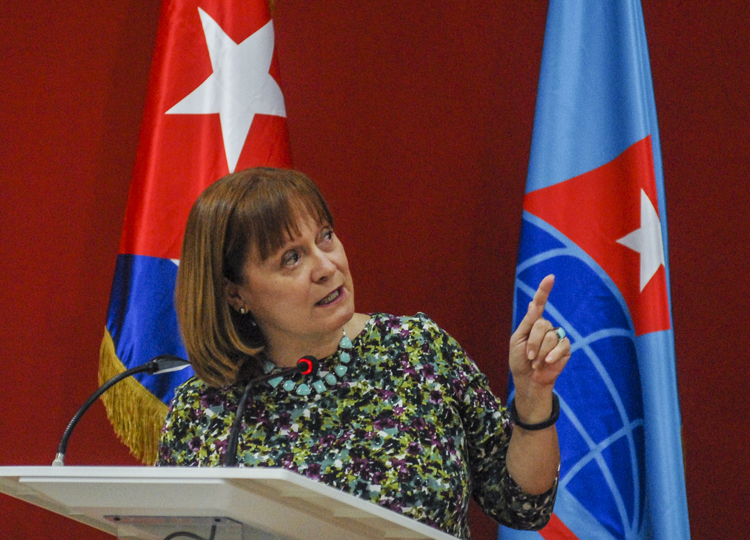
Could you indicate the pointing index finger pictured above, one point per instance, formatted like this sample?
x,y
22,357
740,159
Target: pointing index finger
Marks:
x,y
536,307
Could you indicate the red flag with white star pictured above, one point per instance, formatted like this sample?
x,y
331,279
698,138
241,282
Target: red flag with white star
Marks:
x,y
214,106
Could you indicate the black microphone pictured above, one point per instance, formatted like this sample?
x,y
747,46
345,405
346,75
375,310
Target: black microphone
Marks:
x,y
164,363
307,365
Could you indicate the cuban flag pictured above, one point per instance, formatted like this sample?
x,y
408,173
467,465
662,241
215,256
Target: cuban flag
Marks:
x,y
213,106
594,215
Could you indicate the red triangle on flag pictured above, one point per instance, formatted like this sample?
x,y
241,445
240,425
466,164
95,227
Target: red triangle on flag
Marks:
x,y
602,206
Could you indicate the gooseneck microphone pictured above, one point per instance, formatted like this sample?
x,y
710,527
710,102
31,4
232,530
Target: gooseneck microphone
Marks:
x,y
164,363
307,365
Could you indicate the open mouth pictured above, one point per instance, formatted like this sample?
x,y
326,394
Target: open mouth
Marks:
x,y
330,298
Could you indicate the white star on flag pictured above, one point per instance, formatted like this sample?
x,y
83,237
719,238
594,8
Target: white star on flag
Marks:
x,y
647,241
239,87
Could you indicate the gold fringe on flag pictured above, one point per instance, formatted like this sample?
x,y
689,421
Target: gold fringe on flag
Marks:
x,y
136,415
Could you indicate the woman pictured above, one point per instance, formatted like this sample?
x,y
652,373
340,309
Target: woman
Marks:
x,y
398,414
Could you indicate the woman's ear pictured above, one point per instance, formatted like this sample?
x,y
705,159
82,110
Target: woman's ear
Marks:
x,y
232,292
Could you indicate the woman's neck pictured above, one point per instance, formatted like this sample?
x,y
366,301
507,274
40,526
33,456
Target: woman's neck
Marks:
x,y
285,352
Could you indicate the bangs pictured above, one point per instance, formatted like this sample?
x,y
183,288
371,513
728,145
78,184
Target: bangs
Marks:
x,y
276,224
267,214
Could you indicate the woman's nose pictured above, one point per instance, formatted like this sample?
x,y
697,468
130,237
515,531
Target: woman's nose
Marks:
x,y
324,267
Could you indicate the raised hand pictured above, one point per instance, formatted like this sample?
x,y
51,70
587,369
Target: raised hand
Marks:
x,y
537,353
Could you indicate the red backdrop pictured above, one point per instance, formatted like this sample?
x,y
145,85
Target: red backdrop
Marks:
x,y
415,118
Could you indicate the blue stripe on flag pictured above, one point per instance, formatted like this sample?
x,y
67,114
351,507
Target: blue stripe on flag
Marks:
x,y
142,319
667,512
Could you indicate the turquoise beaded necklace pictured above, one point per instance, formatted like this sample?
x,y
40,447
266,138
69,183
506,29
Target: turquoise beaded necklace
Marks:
x,y
331,378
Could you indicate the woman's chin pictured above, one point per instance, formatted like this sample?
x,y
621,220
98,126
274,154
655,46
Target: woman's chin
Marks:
x,y
342,315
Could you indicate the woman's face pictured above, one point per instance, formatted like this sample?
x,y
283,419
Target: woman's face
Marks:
x,y
303,293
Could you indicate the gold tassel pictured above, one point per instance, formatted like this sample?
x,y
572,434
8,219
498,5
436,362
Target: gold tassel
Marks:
x,y
136,415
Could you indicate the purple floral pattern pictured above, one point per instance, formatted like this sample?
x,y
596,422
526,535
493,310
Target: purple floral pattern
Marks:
x,y
412,427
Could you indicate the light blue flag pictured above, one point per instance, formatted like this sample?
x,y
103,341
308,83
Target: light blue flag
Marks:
x,y
595,216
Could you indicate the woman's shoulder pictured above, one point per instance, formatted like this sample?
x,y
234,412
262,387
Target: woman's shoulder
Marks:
x,y
195,393
400,321
419,341
402,325
402,332
192,386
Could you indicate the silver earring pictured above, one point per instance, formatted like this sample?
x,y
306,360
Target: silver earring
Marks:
x,y
242,311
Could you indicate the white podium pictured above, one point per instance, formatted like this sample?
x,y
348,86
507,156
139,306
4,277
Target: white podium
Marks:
x,y
158,503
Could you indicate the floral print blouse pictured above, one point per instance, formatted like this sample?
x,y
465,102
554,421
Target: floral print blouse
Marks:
x,y
411,426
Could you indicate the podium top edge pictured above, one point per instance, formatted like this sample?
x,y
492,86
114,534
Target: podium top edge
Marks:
x,y
13,475
73,471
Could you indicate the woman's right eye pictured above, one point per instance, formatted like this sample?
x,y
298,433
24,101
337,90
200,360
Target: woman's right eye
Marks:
x,y
290,258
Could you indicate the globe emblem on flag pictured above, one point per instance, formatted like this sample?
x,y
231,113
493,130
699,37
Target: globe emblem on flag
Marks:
x,y
602,453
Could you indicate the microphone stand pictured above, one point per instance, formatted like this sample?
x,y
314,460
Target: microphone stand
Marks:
x,y
307,365
156,366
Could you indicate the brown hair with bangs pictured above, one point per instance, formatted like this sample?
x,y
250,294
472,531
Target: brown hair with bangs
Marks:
x,y
248,213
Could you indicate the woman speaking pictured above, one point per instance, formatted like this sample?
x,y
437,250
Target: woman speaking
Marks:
x,y
397,413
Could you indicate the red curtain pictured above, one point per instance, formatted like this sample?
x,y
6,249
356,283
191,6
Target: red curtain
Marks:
x,y
415,119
